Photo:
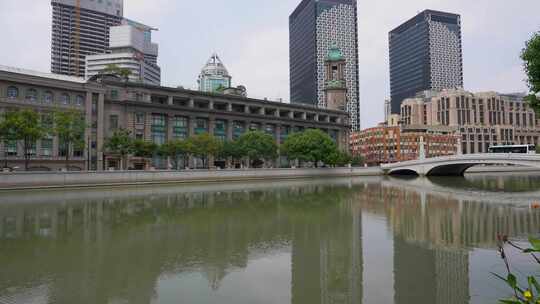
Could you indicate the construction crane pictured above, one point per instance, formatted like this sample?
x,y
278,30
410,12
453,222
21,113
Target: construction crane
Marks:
x,y
77,37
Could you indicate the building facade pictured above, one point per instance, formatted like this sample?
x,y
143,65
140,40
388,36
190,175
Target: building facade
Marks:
x,y
81,31
388,144
214,76
314,27
152,113
130,48
425,54
481,119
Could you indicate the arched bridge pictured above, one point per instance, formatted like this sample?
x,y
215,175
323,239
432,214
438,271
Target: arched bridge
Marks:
x,y
456,165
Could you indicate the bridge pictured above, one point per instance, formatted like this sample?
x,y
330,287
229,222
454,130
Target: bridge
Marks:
x,y
456,165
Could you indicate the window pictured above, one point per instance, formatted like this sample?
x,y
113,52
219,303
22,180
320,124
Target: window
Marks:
x,y
114,94
201,126
220,129
64,99
31,95
46,147
158,129
11,148
139,118
79,100
12,92
48,97
113,122
180,127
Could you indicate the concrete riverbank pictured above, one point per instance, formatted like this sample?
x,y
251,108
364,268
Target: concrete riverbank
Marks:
x,y
45,180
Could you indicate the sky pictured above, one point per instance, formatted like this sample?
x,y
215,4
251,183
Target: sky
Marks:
x,y
252,39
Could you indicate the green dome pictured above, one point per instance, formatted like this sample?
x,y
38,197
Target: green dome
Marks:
x,y
334,53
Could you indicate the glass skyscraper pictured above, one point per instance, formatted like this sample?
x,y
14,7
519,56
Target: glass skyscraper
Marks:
x,y
214,76
315,26
425,54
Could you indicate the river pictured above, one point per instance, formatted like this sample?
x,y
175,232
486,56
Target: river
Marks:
x,y
343,240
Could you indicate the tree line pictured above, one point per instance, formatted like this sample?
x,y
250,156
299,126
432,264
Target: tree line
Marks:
x,y
253,147
25,127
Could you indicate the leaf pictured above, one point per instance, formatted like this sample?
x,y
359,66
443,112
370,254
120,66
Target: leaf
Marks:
x,y
532,281
535,243
512,281
530,250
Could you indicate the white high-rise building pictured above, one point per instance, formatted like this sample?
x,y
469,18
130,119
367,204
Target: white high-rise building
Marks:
x,y
214,75
130,48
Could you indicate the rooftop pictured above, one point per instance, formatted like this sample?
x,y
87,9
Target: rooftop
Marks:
x,y
41,74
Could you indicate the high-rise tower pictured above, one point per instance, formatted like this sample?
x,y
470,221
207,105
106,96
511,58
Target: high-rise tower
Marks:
x,y
80,28
315,26
425,54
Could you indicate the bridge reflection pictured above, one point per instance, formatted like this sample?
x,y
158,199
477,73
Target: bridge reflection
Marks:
x,y
116,245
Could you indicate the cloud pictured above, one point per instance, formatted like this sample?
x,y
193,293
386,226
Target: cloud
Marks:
x,y
252,39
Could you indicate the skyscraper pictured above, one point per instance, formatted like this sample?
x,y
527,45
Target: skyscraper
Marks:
x,y
315,27
80,28
425,54
214,75
130,48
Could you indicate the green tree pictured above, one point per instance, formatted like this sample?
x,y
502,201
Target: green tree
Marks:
x,y
338,158
311,145
120,143
69,126
26,128
175,150
357,161
116,70
231,149
531,59
257,145
203,146
142,148
7,131
538,149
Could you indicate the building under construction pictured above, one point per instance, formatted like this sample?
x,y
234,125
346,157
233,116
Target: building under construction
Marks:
x,y
80,28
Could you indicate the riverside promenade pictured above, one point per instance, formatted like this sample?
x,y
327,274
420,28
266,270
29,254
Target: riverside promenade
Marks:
x,y
51,180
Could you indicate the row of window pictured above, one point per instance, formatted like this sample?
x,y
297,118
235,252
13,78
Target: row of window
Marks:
x,y
46,97
46,149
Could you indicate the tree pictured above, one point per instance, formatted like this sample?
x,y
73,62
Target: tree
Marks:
x,y
203,146
7,131
116,70
311,145
338,158
27,128
142,148
69,126
175,150
120,143
357,161
531,60
231,149
257,145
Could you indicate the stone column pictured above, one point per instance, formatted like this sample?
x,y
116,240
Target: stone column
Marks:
x,y
100,131
191,103
170,123
229,107
211,126
87,131
191,132
277,131
170,100
211,105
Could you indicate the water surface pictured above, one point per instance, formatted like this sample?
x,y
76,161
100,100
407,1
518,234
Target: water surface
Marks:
x,y
362,240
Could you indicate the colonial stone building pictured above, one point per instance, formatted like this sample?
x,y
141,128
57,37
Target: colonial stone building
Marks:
x,y
152,113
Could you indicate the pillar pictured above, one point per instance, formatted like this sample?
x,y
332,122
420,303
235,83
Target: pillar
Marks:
x,y
170,100
87,131
211,126
100,131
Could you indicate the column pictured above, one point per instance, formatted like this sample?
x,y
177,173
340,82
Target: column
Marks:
x,y
170,100
230,128
277,131
87,131
100,131
211,126
191,132
170,124
211,105
191,103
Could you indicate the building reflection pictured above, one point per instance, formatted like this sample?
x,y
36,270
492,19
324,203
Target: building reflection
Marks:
x,y
114,247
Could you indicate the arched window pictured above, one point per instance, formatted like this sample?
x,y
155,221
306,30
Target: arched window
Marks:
x,y
64,99
48,97
79,100
31,95
12,92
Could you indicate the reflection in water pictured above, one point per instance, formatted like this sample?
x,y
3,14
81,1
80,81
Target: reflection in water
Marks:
x,y
134,245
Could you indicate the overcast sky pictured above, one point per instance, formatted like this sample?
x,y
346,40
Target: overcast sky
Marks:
x,y
251,37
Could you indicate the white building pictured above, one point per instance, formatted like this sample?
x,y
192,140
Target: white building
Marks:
x,y
131,48
214,75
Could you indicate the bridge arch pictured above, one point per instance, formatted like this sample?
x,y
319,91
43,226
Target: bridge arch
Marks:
x,y
456,165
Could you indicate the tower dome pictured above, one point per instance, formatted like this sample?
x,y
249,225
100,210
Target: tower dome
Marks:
x,y
214,75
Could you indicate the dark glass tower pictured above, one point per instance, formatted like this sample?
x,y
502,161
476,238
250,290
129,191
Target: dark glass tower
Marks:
x,y
425,54
315,26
